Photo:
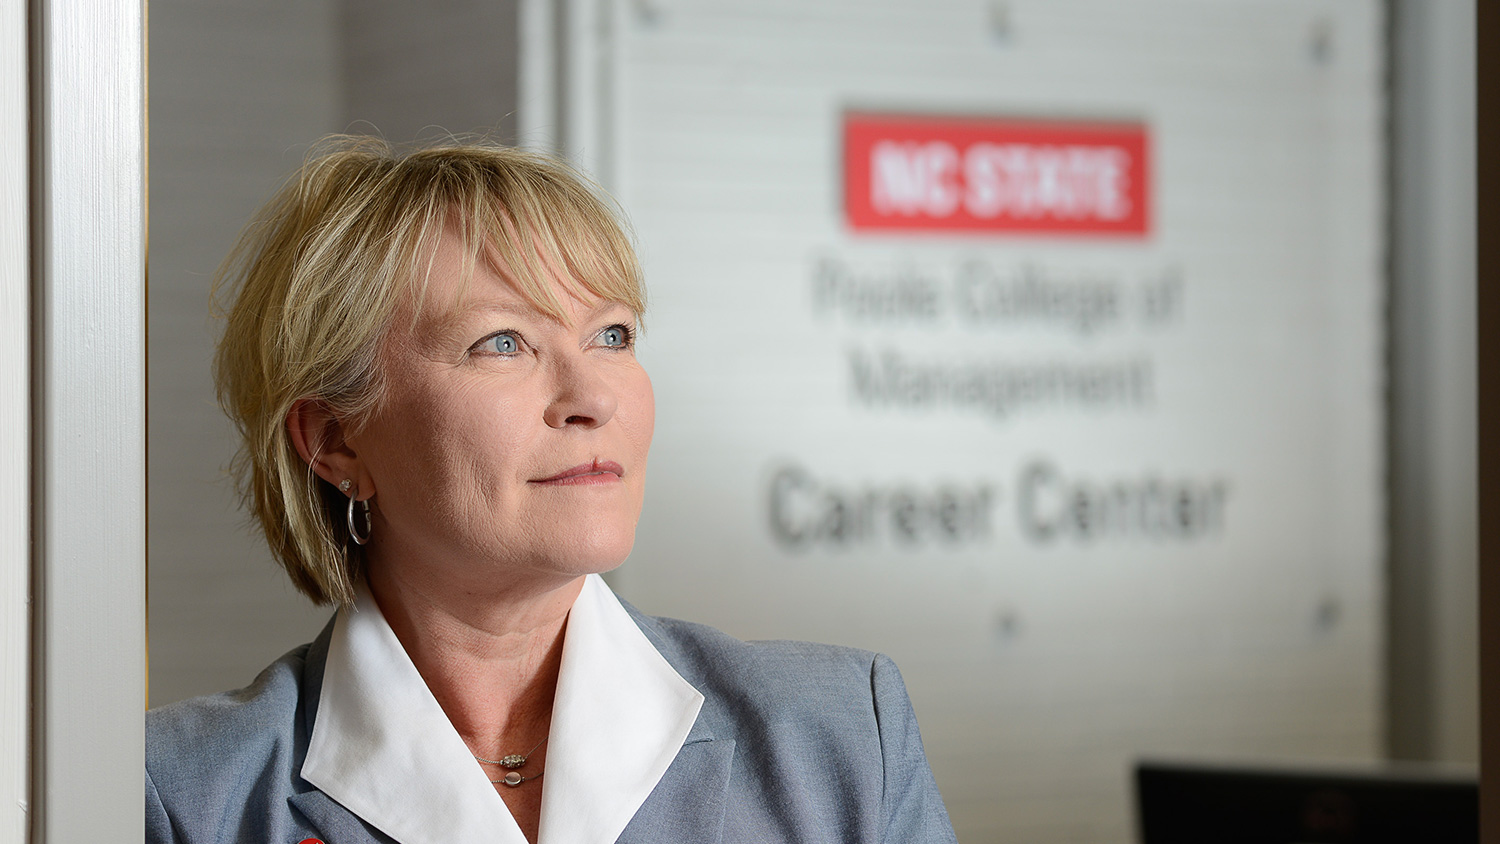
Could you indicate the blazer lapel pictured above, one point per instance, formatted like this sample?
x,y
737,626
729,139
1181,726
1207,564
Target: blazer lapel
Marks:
x,y
688,804
332,823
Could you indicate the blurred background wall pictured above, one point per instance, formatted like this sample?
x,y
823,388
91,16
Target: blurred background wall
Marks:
x,y
1384,637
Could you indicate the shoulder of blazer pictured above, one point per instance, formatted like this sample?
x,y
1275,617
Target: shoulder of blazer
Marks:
x,y
698,649
793,685
229,741
695,646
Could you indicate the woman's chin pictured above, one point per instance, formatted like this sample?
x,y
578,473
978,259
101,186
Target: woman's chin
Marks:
x,y
592,554
604,560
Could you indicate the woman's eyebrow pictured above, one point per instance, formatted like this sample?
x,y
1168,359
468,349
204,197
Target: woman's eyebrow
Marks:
x,y
461,322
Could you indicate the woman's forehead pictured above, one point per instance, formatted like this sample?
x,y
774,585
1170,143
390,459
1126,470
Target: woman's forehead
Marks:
x,y
451,302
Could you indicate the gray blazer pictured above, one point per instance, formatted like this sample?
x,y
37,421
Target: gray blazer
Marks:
x,y
795,742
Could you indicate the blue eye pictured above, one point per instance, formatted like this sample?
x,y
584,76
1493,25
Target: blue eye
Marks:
x,y
615,337
503,343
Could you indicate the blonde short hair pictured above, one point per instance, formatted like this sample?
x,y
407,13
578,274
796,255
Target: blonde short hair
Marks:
x,y
317,279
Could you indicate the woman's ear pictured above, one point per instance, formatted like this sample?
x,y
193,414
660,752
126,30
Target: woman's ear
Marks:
x,y
319,438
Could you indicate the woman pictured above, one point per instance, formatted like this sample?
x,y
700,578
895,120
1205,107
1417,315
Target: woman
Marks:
x,y
430,358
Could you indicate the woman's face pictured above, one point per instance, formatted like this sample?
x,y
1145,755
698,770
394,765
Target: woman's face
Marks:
x,y
509,444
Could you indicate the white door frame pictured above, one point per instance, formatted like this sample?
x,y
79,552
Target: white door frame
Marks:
x,y
15,424
88,410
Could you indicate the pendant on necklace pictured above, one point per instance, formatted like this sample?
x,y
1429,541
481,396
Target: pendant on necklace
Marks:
x,y
513,761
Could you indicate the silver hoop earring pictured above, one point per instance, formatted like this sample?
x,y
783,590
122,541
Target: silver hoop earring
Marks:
x,y
349,517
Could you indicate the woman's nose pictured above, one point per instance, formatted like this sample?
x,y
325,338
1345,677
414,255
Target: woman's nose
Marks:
x,y
582,397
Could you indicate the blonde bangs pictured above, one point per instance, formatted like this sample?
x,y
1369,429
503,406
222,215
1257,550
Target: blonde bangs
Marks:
x,y
542,229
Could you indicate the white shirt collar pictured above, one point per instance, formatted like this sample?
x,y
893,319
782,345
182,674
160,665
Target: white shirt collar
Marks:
x,y
384,749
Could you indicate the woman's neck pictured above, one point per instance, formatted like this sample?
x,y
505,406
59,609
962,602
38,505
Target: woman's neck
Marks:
x,y
491,660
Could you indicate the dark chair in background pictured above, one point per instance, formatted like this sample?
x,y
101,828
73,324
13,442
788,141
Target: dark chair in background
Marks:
x,y
1195,803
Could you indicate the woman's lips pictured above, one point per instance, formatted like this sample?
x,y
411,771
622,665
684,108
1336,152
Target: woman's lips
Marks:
x,y
597,472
